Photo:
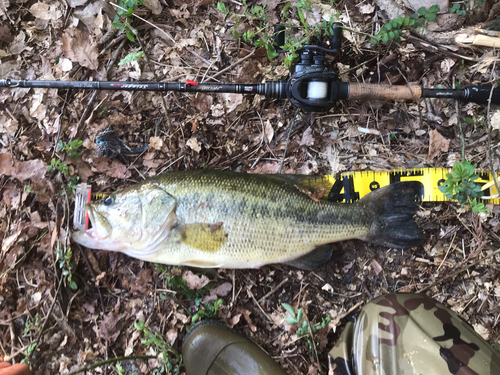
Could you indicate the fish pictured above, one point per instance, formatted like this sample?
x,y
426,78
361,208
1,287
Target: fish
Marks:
x,y
222,219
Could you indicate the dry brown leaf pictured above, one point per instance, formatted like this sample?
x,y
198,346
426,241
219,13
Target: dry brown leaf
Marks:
x,y
266,168
307,138
246,316
80,47
233,321
221,291
268,131
111,326
203,103
156,143
45,11
153,5
437,144
377,268
33,170
111,168
142,282
194,281
194,144
5,34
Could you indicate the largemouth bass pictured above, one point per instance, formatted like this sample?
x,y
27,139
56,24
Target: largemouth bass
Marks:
x,y
217,219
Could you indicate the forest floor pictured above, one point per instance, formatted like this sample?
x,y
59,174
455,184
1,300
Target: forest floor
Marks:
x,y
64,307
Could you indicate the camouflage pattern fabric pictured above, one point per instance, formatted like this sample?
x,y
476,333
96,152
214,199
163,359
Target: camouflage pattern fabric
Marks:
x,y
412,334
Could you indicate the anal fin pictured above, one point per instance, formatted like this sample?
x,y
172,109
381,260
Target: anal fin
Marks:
x,y
316,258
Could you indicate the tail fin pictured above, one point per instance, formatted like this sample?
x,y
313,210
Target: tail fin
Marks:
x,y
393,208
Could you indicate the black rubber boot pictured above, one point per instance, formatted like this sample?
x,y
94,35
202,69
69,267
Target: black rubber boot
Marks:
x,y
210,348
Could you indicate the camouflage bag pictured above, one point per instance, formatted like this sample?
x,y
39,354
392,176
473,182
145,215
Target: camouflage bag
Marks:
x,y
412,334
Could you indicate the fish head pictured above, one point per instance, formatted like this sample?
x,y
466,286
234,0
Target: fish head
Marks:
x,y
133,221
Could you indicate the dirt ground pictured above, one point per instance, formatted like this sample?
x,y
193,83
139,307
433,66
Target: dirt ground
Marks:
x,y
64,307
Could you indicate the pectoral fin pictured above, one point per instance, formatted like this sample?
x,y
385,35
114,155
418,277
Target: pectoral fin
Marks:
x,y
201,236
314,259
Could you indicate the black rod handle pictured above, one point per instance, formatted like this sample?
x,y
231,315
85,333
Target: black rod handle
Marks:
x,y
481,94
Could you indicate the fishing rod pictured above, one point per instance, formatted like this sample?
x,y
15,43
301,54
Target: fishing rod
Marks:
x,y
312,86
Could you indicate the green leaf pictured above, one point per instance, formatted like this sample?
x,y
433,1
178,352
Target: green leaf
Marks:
x,y
131,57
291,320
430,17
391,35
222,7
406,21
299,315
129,11
414,16
373,41
288,308
412,22
388,26
385,38
394,24
434,9
73,285
118,25
139,325
130,34
420,22
422,11
469,120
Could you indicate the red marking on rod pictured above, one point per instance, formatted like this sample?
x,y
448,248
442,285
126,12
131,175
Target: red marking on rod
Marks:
x,y
191,83
117,84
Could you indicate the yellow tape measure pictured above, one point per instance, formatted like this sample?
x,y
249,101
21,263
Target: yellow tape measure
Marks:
x,y
352,186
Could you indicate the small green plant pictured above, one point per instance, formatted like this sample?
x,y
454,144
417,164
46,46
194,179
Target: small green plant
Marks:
x,y
27,353
393,30
120,369
169,360
261,34
67,266
70,148
131,57
460,185
129,6
303,329
210,312
31,323
458,8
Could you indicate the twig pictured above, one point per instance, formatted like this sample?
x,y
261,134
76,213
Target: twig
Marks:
x,y
453,274
312,339
283,282
229,67
111,360
257,303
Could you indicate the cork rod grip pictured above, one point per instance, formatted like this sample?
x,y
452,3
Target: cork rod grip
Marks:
x,y
366,91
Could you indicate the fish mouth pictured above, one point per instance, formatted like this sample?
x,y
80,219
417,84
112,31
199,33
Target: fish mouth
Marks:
x,y
101,229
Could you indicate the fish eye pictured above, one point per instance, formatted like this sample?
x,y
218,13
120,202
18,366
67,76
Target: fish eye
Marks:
x,y
108,201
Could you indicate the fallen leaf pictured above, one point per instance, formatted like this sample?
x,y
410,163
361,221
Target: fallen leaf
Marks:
x,y
45,11
437,144
307,138
14,198
17,46
33,170
246,316
367,9
268,131
194,144
153,5
156,143
5,33
377,268
202,103
233,321
111,168
194,281
142,282
232,101
221,291
111,326
269,168
172,336
80,47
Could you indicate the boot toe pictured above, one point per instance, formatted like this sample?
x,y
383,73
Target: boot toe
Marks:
x,y
210,348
